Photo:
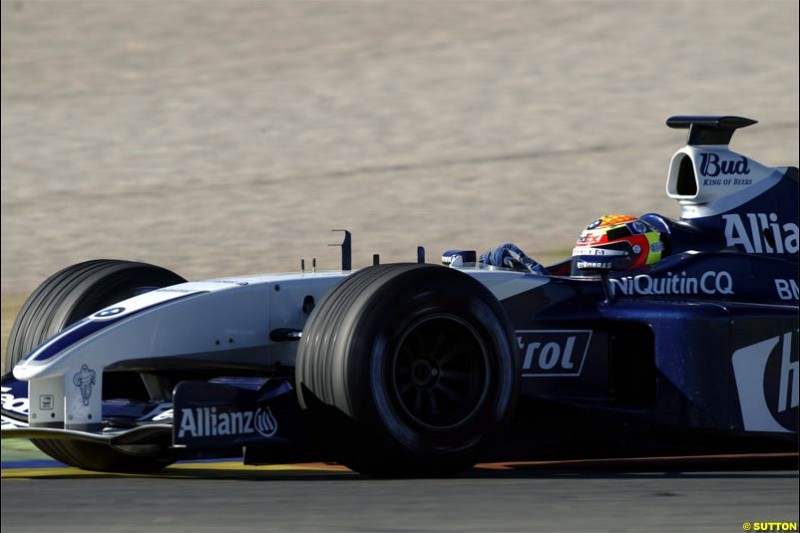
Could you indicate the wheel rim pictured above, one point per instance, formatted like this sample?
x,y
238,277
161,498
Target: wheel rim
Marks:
x,y
440,372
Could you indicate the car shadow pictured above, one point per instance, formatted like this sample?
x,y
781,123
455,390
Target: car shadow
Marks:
x,y
773,466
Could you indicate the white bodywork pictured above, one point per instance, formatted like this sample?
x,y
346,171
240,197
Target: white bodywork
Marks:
x,y
222,321
718,190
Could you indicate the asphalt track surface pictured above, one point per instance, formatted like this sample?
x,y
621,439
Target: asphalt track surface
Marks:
x,y
643,495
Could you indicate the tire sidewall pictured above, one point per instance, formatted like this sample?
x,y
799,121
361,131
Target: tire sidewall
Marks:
x,y
64,298
383,320
126,283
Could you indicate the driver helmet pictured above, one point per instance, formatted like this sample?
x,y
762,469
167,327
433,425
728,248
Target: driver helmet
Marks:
x,y
617,242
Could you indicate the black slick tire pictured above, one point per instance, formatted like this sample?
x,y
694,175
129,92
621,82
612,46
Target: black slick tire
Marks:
x,y
410,368
64,298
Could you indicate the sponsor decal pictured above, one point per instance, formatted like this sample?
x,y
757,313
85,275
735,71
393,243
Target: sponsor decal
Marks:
x,y
712,165
12,403
114,311
768,398
716,182
46,402
209,422
710,283
589,250
761,233
166,414
553,353
159,413
185,291
85,380
590,237
9,423
599,265
787,289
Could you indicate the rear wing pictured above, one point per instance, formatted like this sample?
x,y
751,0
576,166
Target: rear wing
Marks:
x,y
709,130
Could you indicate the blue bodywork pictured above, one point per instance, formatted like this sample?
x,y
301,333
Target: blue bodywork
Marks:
x,y
702,345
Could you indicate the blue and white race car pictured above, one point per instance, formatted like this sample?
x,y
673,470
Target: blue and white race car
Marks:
x,y
421,369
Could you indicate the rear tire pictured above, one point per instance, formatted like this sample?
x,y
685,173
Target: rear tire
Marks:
x,y
410,368
64,298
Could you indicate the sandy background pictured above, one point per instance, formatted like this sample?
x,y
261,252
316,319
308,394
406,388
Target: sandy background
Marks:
x,y
228,137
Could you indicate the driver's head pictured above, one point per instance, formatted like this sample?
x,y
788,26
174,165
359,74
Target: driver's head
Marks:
x,y
616,242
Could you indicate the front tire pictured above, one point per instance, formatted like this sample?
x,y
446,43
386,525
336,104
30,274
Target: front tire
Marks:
x,y
64,298
411,367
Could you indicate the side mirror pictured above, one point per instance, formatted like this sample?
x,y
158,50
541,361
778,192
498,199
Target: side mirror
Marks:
x,y
459,258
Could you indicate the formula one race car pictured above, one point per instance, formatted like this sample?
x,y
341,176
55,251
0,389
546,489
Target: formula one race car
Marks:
x,y
421,369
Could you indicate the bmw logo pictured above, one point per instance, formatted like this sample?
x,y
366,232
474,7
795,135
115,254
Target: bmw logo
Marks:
x,y
113,311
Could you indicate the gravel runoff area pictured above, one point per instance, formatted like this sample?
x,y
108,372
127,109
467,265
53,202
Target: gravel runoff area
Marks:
x,y
220,138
